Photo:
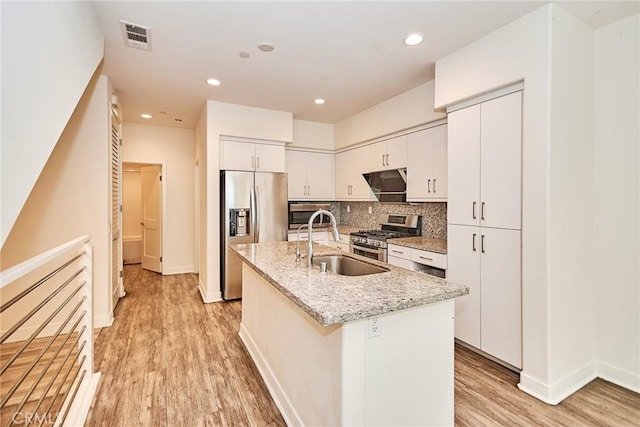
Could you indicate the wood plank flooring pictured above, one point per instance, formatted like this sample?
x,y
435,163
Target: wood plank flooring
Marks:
x,y
170,360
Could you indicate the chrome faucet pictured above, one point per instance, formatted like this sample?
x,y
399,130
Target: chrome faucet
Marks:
x,y
298,242
334,231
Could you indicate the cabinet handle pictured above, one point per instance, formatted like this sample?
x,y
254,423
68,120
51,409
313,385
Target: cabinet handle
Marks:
x,y
473,242
304,189
308,190
482,211
397,252
482,244
425,257
253,162
387,160
428,186
383,160
257,162
434,185
474,211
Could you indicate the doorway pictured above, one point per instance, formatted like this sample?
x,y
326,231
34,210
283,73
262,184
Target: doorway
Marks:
x,y
142,215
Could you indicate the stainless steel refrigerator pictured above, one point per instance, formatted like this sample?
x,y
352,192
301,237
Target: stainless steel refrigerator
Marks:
x,y
253,210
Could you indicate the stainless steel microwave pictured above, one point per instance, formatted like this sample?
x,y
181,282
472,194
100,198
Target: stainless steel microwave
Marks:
x,y
299,214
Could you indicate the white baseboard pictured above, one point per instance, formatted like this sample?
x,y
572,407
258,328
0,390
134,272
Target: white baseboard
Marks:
x,y
560,390
167,271
291,417
619,376
208,297
80,408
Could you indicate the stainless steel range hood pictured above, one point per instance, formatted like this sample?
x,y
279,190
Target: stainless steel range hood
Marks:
x,y
389,185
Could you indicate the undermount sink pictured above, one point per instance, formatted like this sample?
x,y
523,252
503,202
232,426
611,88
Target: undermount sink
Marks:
x,y
347,266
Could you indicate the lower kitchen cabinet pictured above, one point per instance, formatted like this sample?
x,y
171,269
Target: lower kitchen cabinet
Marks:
x,y
488,261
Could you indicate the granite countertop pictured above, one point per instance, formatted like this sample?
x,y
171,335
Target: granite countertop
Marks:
x,y
438,246
333,299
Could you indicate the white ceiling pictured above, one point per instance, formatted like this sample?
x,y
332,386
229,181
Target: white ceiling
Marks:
x,y
350,53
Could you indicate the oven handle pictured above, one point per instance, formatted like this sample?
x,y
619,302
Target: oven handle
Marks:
x,y
364,249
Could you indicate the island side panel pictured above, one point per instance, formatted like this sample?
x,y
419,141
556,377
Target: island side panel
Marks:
x,y
409,373
299,360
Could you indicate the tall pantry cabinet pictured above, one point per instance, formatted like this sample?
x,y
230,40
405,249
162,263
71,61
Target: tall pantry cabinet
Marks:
x,y
484,224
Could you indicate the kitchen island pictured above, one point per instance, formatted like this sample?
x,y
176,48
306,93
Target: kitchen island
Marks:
x,y
348,350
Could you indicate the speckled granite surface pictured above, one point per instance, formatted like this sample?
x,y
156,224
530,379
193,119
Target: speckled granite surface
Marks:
x,y
438,246
332,299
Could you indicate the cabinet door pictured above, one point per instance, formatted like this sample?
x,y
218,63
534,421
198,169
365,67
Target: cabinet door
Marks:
x,y
463,267
439,153
343,186
501,158
400,262
396,156
463,152
500,294
297,174
270,158
239,156
419,164
320,176
376,157
399,251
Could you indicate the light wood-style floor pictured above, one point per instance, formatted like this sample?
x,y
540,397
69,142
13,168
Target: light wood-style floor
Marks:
x,y
170,360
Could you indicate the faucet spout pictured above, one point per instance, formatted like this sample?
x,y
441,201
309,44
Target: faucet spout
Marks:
x,y
298,242
334,231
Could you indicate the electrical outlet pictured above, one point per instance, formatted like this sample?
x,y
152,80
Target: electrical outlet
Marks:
x,y
370,209
374,327
348,208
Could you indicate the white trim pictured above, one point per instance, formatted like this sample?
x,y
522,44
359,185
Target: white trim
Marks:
x,y
505,90
208,297
291,417
14,273
619,376
183,269
103,321
560,390
79,410
252,140
394,134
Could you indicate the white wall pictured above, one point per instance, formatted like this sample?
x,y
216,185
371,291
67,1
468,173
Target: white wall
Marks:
x,y
552,53
240,121
71,196
312,135
409,109
174,148
46,67
616,200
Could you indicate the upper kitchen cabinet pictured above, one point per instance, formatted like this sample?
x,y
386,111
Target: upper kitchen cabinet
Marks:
x,y
350,184
252,156
484,163
311,175
388,154
427,165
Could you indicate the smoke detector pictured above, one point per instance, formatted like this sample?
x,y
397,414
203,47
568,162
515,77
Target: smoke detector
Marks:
x,y
135,35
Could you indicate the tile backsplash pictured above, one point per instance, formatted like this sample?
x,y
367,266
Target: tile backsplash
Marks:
x,y
434,215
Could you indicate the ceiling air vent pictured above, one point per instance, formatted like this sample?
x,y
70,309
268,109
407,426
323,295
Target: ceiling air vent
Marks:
x,y
137,36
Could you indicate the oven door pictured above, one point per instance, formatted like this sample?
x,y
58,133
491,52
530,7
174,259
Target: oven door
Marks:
x,y
378,254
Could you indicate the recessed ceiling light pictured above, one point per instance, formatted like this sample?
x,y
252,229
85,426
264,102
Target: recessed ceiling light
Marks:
x,y
244,55
146,116
319,101
213,82
413,39
266,47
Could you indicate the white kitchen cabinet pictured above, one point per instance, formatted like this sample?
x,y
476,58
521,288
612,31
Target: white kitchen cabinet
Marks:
x,y
388,154
400,262
249,156
342,244
413,258
484,163
318,236
487,260
427,165
350,184
311,175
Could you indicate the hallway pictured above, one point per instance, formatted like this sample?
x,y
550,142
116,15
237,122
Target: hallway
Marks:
x,y
170,360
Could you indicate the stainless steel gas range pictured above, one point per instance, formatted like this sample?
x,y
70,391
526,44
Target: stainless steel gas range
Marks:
x,y
373,243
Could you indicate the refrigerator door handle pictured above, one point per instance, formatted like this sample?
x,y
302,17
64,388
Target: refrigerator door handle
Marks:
x,y
256,213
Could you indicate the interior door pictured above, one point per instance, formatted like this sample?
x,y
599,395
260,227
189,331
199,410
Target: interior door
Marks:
x,y
117,288
152,218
